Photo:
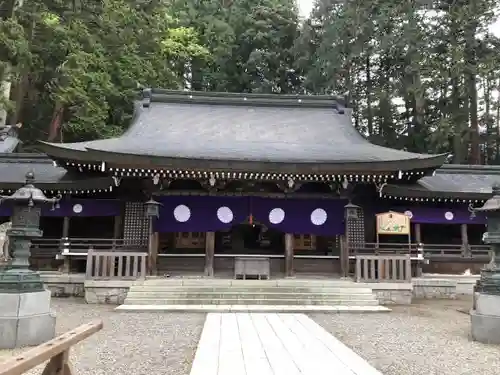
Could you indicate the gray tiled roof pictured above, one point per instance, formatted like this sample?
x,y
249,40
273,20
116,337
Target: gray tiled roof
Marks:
x,y
14,167
453,181
261,128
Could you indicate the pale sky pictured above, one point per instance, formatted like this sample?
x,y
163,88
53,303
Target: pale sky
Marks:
x,y
305,7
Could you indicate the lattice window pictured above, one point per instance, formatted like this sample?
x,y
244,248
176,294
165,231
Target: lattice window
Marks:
x,y
135,224
189,240
356,229
304,242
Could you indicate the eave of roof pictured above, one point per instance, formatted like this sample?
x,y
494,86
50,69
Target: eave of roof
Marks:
x,y
48,177
243,132
451,182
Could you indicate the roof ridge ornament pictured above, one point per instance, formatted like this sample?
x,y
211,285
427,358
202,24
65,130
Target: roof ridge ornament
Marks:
x,y
30,178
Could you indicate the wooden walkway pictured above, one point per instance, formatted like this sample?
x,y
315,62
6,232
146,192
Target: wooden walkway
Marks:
x,y
272,344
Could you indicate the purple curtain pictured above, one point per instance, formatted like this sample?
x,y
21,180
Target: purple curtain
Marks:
x,y
77,207
200,213
434,215
324,217
207,214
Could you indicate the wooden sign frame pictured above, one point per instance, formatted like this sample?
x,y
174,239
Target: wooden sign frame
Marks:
x,y
401,224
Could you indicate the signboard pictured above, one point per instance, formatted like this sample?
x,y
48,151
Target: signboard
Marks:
x,y
393,223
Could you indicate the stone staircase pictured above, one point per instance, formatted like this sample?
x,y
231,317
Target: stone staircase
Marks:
x,y
284,295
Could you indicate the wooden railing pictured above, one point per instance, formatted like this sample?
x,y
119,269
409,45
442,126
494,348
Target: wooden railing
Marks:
x,y
55,351
429,251
80,246
117,265
383,268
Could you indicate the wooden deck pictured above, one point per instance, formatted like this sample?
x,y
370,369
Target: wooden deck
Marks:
x,y
272,344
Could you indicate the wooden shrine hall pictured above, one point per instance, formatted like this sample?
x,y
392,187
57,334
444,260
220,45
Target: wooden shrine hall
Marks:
x,y
211,183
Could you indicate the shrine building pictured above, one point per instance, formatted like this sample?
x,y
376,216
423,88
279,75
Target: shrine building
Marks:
x,y
282,178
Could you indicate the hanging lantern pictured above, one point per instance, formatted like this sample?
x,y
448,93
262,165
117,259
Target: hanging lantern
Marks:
x,y
250,219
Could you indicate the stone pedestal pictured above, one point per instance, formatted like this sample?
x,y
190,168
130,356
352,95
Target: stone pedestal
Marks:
x,y
485,318
26,319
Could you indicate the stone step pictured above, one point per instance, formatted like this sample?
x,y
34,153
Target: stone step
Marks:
x,y
285,294
209,282
249,301
253,308
257,295
251,297
200,289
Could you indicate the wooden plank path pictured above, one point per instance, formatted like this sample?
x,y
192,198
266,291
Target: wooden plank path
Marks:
x,y
272,344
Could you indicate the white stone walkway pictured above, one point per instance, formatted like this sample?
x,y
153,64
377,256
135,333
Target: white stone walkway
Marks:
x,y
272,344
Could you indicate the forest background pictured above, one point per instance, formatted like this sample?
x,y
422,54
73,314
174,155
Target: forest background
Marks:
x,y
420,75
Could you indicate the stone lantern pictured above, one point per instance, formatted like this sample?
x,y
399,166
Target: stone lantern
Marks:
x,y
485,314
152,208
351,215
351,211
25,316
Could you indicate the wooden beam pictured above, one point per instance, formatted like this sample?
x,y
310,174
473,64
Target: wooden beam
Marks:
x,y
56,351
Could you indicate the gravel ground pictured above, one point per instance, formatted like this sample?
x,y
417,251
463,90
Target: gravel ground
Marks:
x,y
427,338
130,343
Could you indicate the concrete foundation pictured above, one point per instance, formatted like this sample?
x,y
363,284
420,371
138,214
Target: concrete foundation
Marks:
x,y
485,328
487,304
25,319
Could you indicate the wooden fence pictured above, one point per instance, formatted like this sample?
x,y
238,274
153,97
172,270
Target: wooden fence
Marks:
x,y
383,268
429,251
55,351
78,247
81,245
116,265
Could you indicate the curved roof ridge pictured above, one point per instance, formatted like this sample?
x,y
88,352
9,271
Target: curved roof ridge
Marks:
x,y
239,131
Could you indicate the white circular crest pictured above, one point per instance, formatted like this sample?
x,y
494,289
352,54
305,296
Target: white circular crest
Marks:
x,y
77,208
225,215
276,215
409,214
449,215
182,213
318,216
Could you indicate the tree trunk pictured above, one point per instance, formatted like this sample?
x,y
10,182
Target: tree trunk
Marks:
x,y
475,157
369,111
55,123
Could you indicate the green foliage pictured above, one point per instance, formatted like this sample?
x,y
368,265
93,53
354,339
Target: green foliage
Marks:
x,y
420,78
89,59
413,73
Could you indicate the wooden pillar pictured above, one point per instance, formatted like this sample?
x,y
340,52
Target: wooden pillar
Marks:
x,y
117,228
209,253
289,271
152,249
418,233
66,267
344,256
65,228
153,256
418,240
465,240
